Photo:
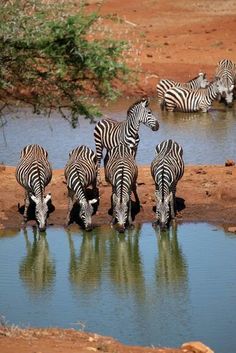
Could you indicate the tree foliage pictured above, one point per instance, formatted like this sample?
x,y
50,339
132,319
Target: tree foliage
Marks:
x,y
49,58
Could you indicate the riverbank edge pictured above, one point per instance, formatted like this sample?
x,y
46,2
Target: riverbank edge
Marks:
x,y
207,193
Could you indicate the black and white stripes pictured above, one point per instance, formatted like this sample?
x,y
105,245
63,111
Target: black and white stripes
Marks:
x,y
185,100
226,72
167,168
121,172
197,82
34,173
109,133
80,173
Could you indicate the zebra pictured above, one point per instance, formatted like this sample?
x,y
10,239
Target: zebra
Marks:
x,y
167,168
34,173
121,172
226,72
185,100
109,133
80,173
199,81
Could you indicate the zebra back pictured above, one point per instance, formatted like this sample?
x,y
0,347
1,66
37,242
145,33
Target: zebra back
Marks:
x,y
81,168
120,168
34,171
167,167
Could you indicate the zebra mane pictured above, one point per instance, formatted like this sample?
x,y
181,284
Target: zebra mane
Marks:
x,y
143,99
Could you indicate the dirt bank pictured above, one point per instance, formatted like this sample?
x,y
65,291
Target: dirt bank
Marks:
x,y
205,193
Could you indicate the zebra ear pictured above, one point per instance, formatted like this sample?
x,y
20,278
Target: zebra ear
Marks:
x,y
91,202
145,102
34,199
47,197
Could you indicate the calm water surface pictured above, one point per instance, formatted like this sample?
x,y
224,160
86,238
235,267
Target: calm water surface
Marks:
x,y
206,138
141,288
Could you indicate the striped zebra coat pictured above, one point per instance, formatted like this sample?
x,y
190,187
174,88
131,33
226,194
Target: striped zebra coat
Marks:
x,y
34,173
121,172
167,168
185,100
80,173
197,82
226,73
109,133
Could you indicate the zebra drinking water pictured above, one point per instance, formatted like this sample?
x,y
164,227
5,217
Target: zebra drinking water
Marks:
x,y
185,100
167,168
34,173
121,172
197,82
80,173
226,72
109,133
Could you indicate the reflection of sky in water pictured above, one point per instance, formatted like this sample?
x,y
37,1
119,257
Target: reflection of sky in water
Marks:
x,y
206,138
139,287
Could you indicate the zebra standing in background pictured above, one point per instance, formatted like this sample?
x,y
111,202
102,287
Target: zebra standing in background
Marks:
x,y
167,168
121,172
109,133
197,82
185,100
226,72
34,173
81,172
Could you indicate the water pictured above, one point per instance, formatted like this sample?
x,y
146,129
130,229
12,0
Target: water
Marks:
x,y
140,288
206,138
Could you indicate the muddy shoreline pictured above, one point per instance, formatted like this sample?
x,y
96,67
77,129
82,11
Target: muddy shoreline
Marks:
x,y
205,194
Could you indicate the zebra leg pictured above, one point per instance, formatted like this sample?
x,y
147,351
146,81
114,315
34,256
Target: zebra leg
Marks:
x,y
136,194
172,206
27,203
70,206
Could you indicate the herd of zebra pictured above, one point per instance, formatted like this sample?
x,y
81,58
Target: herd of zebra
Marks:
x,y
198,93
121,139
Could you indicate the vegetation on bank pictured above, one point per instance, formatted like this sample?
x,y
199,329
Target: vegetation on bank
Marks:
x,y
53,56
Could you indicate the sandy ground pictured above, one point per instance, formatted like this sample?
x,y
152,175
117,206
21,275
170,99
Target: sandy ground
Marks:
x,y
167,40
205,193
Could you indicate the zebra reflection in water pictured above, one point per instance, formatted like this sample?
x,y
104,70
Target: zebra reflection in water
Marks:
x,y
103,251
37,269
171,266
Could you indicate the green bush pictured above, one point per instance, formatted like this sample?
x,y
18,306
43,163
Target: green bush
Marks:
x,y
47,60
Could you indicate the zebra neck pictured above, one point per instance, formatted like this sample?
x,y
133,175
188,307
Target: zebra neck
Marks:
x,y
37,183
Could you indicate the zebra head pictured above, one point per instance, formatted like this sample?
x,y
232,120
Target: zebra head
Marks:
x,y
86,212
228,94
120,211
225,89
41,210
144,114
203,80
163,210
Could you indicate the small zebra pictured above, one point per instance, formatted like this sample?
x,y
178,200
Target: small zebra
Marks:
x,y
167,168
121,172
80,173
34,173
109,133
226,72
197,82
185,100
